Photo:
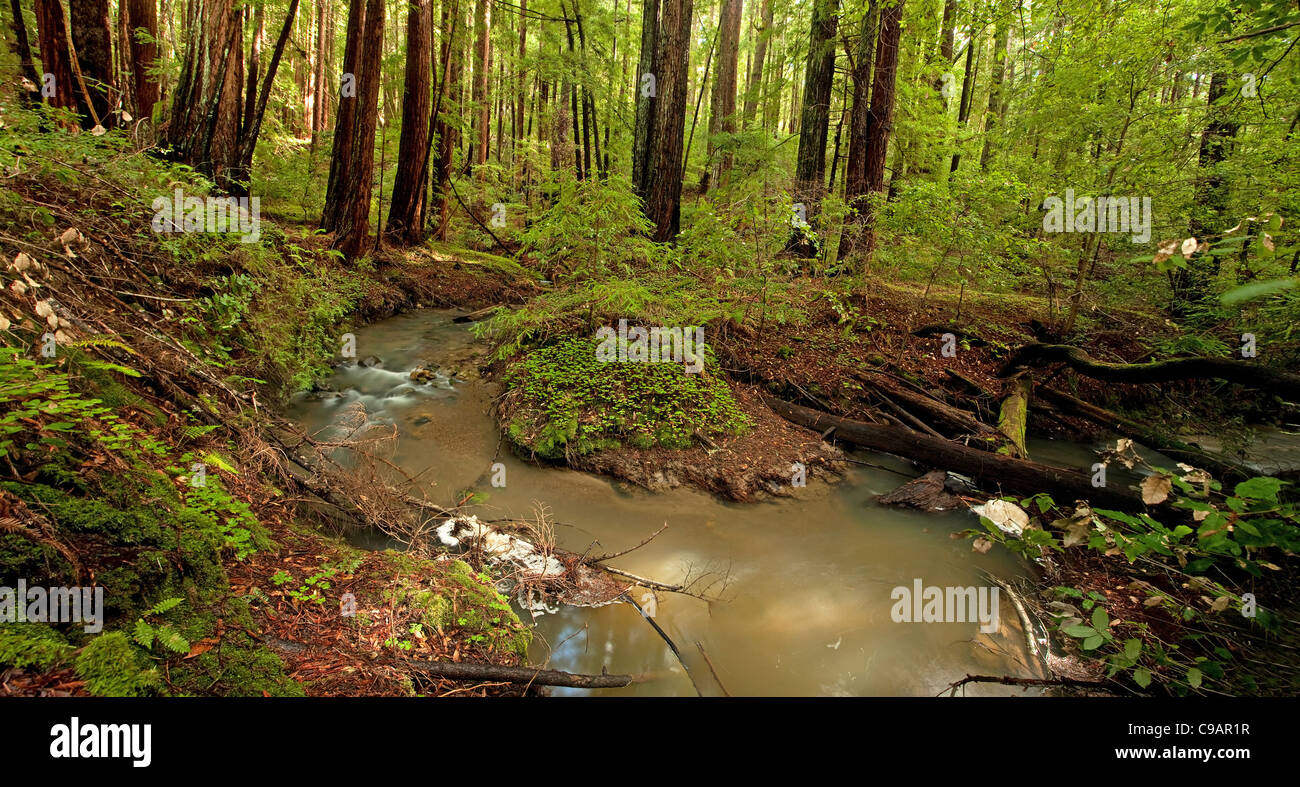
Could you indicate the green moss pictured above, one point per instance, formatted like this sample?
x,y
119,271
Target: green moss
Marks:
x,y
572,403
112,667
32,645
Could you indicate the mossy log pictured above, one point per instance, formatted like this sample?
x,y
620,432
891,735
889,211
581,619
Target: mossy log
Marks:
x,y
1013,419
1256,375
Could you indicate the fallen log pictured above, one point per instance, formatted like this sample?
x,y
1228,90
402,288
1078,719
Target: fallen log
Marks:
x,y
478,314
1013,419
473,670
1256,375
955,421
992,471
1220,467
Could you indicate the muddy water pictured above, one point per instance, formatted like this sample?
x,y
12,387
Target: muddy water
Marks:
x,y
804,583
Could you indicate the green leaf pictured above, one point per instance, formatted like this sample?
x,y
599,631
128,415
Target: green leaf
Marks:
x,y
1194,677
1092,643
1080,630
1100,620
1142,677
1132,648
1256,289
1259,489
143,634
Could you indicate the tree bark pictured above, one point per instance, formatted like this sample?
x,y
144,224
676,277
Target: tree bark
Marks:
x,y
92,38
814,123
354,214
881,120
144,55
409,181
754,89
647,97
999,68
341,157
1191,285
722,104
855,172
664,178
52,35
482,67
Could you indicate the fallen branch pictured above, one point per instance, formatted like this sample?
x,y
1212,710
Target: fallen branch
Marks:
x,y
1219,467
1007,680
473,670
992,471
1248,373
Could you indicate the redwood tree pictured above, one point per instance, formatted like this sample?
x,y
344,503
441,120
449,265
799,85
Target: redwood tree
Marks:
x,y
353,229
408,184
814,122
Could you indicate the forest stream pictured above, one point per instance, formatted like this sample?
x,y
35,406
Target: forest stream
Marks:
x,y
808,579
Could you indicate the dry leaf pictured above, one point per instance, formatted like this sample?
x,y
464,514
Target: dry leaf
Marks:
x,y
1155,488
1188,248
1009,517
981,545
43,309
98,131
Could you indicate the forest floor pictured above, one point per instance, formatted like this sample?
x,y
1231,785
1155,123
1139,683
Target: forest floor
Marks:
x,y
173,350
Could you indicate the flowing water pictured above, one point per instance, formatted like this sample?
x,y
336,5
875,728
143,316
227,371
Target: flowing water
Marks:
x,y
806,607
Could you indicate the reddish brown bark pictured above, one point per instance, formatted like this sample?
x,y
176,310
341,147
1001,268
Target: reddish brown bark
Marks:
x,y
354,213
408,182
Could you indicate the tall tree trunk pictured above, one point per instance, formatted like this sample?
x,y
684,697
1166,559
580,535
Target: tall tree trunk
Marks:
x,y
1191,285
144,55
318,74
753,90
664,179
241,173
341,157
482,68
354,215
254,66
408,183
23,48
995,91
722,102
855,173
447,126
881,121
967,93
810,165
647,97
52,35
92,39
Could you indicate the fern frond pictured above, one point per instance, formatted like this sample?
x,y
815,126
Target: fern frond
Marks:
x,y
163,606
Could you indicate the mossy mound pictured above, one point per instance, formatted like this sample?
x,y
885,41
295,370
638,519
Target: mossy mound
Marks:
x,y
565,401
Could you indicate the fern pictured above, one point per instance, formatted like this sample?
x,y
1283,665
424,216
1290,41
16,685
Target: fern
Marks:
x,y
195,431
144,634
101,341
172,640
163,606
